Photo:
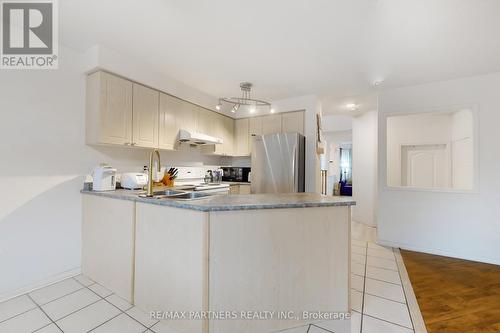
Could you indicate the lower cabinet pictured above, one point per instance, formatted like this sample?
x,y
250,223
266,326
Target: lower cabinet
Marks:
x,y
239,189
108,231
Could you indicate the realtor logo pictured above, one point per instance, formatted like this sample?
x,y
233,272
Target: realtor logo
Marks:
x,y
29,34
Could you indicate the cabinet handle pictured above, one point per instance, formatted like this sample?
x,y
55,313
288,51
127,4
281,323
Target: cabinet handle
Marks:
x,y
127,143
133,144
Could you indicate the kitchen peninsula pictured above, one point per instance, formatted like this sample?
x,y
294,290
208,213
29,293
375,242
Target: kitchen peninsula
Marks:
x,y
258,252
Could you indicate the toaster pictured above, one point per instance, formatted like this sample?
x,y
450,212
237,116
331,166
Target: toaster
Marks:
x,y
133,180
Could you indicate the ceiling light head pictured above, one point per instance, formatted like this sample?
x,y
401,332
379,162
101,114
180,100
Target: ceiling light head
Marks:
x,y
252,109
351,106
235,108
272,110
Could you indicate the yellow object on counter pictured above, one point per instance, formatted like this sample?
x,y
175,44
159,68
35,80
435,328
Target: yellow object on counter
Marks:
x,y
167,181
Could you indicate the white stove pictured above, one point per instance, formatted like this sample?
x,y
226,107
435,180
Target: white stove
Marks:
x,y
213,188
193,178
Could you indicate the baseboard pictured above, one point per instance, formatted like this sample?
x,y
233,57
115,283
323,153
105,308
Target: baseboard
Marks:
x,y
40,284
409,247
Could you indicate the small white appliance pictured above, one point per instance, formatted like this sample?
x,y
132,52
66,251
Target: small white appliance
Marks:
x,y
133,180
104,178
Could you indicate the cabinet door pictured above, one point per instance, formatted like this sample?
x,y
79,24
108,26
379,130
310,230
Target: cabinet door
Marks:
x,y
292,122
170,107
244,189
228,135
255,126
242,138
145,116
205,121
234,189
109,109
271,124
187,117
218,131
108,230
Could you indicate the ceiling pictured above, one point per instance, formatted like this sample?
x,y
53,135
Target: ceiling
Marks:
x,y
334,49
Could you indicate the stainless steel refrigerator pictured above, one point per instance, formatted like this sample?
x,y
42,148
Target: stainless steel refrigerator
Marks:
x,y
278,163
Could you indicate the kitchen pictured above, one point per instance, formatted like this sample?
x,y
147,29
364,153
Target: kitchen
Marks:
x,y
264,201
291,167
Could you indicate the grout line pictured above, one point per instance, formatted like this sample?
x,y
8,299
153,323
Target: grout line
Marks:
x,y
363,296
41,328
147,327
378,257
52,322
387,299
387,269
357,274
85,286
104,298
119,314
371,278
17,315
387,321
86,306
56,299
151,327
107,301
321,328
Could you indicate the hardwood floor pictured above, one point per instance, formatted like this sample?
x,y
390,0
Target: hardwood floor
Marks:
x,y
455,296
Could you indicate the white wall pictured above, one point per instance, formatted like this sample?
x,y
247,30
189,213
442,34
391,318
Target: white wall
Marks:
x,y
335,123
464,225
43,160
364,168
462,148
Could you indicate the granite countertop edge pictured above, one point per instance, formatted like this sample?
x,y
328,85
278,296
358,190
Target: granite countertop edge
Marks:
x,y
205,205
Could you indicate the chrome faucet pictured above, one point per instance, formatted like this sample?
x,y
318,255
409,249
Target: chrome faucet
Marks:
x,y
150,178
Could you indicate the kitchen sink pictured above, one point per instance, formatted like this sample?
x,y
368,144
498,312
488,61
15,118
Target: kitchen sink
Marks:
x,y
190,196
162,194
177,195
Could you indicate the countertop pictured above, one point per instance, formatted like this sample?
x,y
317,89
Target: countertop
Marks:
x,y
235,202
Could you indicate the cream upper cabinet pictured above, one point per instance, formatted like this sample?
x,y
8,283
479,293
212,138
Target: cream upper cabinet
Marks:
x,y
170,108
221,127
109,109
187,116
292,122
217,130
205,121
255,126
145,116
228,135
242,137
271,124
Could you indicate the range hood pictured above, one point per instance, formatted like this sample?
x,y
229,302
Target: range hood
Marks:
x,y
198,139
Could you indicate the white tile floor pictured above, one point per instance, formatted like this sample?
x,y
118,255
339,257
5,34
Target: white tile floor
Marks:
x,y
378,300
79,305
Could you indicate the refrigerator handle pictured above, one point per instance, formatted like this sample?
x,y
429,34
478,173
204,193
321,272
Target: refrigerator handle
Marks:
x,y
295,167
